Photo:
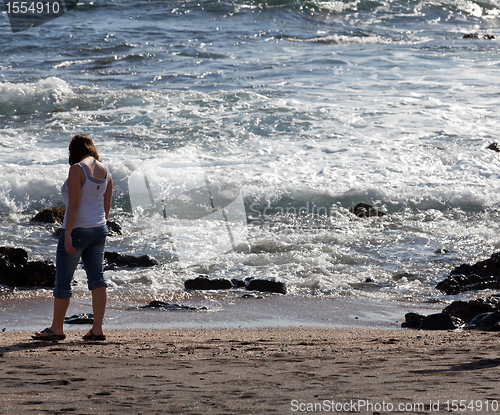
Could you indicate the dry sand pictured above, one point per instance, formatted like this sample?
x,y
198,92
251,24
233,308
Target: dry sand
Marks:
x,y
242,371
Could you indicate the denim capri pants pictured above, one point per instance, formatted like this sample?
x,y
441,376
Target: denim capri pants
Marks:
x,y
89,245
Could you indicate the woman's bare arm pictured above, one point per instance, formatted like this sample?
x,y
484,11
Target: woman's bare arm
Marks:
x,y
107,197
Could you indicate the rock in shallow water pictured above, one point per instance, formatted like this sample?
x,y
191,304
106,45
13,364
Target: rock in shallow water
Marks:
x,y
266,286
161,305
205,283
114,260
478,36
238,283
494,147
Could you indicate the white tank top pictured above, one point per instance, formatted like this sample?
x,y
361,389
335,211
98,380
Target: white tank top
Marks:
x,y
91,211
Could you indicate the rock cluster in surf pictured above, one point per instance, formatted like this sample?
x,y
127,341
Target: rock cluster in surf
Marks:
x,y
204,283
480,276
478,314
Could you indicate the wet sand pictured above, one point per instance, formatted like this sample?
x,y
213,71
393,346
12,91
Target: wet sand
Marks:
x,y
252,371
263,311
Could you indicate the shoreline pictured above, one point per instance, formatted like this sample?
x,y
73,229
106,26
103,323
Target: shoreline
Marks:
x,y
250,371
266,311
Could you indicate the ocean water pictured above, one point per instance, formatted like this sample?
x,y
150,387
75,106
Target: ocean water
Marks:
x,y
310,107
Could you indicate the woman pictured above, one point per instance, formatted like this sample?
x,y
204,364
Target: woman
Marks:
x,y
87,194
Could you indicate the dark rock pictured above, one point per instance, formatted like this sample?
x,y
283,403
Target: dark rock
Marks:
x,y
406,275
156,304
50,215
363,210
114,259
452,284
467,310
485,283
204,283
412,320
110,257
12,256
266,286
464,269
481,313
494,147
17,271
488,267
127,261
485,321
455,284
111,267
238,283
38,273
449,286
82,318
147,261
114,228
161,305
440,321
478,36
495,327
33,274
442,251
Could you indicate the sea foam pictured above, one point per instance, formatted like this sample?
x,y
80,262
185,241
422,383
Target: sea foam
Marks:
x,y
43,96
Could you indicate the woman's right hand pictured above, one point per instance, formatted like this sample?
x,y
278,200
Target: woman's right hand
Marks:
x,y
68,244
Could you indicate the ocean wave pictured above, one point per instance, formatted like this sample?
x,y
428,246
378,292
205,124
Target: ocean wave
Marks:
x,y
43,96
340,39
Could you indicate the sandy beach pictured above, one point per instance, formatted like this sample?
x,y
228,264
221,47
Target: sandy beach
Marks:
x,y
252,371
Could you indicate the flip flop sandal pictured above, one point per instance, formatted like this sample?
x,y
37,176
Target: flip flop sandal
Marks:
x,y
92,336
49,336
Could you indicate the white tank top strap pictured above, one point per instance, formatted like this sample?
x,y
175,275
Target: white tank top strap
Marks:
x,y
85,174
